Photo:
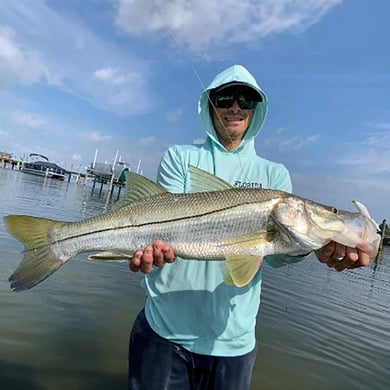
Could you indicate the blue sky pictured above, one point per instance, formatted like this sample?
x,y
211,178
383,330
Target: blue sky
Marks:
x,y
126,75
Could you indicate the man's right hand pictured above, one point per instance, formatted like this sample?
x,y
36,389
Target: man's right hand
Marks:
x,y
156,254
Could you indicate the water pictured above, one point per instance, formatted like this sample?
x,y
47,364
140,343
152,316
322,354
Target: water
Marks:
x,y
317,329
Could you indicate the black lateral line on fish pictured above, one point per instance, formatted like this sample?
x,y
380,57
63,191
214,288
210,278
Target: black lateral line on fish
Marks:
x,y
138,225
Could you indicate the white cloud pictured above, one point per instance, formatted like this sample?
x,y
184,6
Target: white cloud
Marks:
x,y
147,141
96,136
297,143
46,45
21,64
280,142
174,116
76,157
381,140
29,119
113,76
379,137
380,125
204,24
368,162
119,91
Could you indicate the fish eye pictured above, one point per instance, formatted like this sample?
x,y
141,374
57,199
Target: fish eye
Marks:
x,y
334,210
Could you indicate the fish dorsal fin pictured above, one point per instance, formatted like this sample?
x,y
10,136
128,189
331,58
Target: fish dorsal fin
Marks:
x,y
240,269
138,187
203,181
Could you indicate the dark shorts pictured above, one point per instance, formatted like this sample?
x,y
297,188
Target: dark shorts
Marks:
x,y
158,364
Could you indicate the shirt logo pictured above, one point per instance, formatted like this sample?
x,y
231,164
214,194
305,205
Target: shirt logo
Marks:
x,y
246,184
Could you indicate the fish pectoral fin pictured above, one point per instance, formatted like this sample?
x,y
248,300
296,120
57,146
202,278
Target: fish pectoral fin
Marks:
x,y
240,269
110,256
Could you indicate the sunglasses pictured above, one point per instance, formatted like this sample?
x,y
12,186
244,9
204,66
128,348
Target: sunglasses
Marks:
x,y
226,101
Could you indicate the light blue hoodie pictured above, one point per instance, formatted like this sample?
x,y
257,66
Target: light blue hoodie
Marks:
x,y
187,301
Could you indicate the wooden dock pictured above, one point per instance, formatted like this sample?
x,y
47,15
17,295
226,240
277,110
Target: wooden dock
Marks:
x,y
385,236
102,176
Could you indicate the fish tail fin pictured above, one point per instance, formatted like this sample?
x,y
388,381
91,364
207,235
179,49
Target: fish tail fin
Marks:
x,y
39,261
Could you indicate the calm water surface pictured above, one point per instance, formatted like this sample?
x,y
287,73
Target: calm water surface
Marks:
x,y
317,329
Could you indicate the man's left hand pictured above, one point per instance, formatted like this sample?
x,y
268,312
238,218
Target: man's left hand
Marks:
x,y
342,257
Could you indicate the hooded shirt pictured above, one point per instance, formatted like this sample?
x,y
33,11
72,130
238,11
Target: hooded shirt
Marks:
x,y
187,301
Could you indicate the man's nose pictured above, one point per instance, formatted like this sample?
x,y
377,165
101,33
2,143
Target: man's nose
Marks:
x,y
235,107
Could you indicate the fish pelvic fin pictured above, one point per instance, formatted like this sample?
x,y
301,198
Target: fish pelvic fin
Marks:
x,y
38,262
240,269
110,256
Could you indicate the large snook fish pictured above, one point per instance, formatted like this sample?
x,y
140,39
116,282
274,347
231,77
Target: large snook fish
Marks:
x,y
237,226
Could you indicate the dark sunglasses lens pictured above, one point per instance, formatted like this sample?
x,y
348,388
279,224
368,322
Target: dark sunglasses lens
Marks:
x,y
246,103
227,101
221,101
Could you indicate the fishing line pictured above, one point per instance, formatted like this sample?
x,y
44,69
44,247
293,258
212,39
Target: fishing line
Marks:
x,y
195,72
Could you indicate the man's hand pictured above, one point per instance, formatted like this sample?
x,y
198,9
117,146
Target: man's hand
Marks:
x,y
156,254
342,257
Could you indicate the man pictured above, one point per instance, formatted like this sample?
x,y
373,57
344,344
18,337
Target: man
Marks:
x,y
196,332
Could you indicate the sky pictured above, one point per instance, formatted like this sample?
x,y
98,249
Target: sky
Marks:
x,y
124,76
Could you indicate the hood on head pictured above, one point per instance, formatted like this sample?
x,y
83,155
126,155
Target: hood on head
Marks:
x,y
235,73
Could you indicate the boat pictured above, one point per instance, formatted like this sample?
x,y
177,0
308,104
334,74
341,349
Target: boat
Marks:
x,y
41,166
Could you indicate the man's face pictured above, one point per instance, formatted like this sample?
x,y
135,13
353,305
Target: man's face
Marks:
x,y
231,123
